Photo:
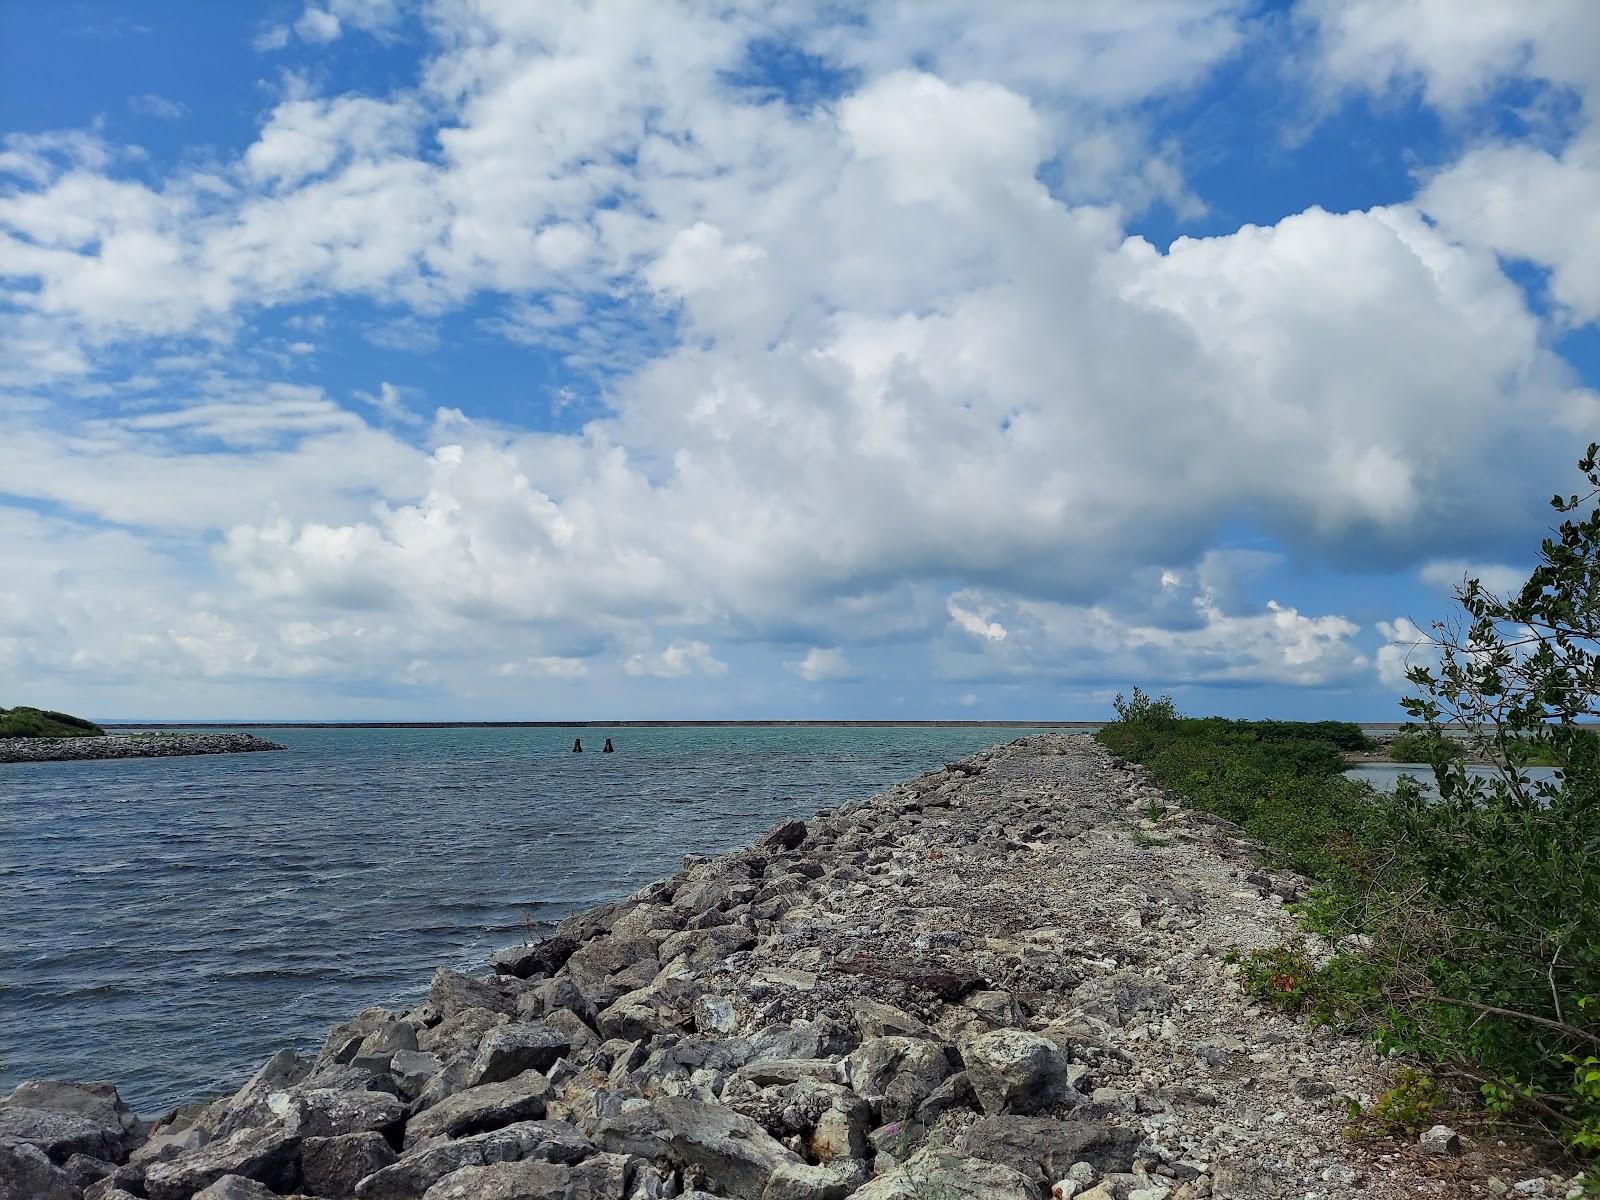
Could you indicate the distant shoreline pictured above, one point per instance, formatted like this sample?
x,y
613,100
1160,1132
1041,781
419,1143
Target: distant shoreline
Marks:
x,y
845,724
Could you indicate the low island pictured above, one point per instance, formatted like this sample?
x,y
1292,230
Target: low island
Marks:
x,y
41,735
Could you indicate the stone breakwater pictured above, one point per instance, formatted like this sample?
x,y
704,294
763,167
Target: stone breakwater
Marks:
x,y
1008,979
123,745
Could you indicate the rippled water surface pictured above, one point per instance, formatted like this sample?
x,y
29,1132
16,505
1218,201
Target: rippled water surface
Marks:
x,y
170,923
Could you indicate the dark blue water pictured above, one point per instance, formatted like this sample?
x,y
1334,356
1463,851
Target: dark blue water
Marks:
x,y
170,923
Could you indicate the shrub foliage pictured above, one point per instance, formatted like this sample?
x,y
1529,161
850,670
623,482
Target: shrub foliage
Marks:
x,y
1467,919
21,722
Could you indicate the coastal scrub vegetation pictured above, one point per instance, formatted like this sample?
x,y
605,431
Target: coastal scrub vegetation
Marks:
x,y
1458,925
24,722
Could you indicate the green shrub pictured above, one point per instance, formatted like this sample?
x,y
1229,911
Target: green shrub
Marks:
x,y
1418,746
1478,904
22,722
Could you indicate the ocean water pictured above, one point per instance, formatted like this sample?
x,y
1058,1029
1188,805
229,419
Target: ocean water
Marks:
x,y
168,924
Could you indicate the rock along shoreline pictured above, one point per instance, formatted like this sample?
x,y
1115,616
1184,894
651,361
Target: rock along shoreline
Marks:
x,y
1006,979
130,745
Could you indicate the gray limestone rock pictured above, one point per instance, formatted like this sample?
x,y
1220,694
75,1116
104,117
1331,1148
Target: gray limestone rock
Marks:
x,y
599,1178
452,992
236,1187
268,1155
733,1152
64,1119
509,1050
877,1019
896,1074
802,1181
941,1171
26,1173
332,1166
1014,1071
1044,1149
423,1166
328,1112
475,1110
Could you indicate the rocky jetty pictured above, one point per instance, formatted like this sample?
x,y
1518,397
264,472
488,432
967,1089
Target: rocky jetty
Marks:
x,y
130,745
1008,979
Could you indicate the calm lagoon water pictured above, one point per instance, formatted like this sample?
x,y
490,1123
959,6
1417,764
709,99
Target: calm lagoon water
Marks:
x,y
170,923
1386,776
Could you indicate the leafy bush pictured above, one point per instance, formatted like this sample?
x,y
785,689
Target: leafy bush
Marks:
x,y
1419,746
1478,907
1281,782
24,722
1143,710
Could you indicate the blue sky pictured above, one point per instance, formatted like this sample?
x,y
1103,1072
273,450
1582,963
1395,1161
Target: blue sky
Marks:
x,y
483,360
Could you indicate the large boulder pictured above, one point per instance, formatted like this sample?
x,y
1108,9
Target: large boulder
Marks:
x,y
26,1173
1043,1148
478,1109
602,1177
609,967
420,1168
736,1155
461,1032
876,1019
704,947
452,992
941,1171
829,1181
332,1166
665,1005
236,1187
896,1074
373,1033
249,1107
539,958
328,1112
509,1050
63,1119
1014,1071
270,1156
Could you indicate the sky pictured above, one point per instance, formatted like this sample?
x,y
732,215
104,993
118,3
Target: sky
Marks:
x,y
477,359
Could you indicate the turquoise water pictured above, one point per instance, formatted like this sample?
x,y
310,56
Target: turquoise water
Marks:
x,y
169,923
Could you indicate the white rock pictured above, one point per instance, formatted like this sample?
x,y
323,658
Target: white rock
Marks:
x,y
1442,1140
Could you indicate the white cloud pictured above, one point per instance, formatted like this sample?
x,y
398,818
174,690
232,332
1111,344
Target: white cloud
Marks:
x,y
866,375
152,105
270,37
1521,199
977,624
1405,646
676,661
1447,575
545,667
1048,639
317,25
823,664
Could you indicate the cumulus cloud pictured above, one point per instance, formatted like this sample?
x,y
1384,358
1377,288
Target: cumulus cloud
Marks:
x,y
677,661
1499,578
1277,645
1525,200
823,664
1405,646
977,624
887,368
